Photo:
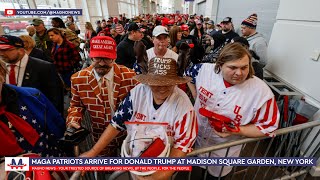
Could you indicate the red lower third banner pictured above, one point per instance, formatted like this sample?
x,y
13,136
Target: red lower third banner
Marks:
x,y
109,168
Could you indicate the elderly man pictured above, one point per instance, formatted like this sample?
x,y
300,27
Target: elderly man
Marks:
x,y
230,103
99,89
157,100
31,30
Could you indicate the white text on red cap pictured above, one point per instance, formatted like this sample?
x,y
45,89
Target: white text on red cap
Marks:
x,y
102,41
102,44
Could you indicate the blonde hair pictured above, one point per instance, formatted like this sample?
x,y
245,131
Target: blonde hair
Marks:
x,y
231,52
89,26
28,42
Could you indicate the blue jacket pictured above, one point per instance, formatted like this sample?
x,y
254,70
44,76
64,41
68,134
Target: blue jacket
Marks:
x,y
42,109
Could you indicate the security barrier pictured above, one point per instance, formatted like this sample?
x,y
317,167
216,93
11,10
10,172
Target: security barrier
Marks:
x,y
289,142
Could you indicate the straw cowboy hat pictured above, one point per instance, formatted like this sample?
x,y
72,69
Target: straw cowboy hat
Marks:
x,y
162,72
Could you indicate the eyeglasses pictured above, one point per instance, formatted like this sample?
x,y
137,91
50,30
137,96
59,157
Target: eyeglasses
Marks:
x,y
105,60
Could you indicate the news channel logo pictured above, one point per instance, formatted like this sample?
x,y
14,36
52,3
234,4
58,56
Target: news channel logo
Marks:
x,y
16,163
43,12
9,12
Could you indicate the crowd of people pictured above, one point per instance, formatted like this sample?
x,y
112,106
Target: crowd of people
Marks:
x,y
200,78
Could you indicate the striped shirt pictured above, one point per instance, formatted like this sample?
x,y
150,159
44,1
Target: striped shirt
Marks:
x,y
119,29
251,102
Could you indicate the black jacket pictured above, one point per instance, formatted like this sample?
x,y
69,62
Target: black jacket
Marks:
x,y
42,75
117,39
229,36
125,53
38,53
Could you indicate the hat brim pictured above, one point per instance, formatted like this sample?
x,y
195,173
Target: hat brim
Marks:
x,y
102,54
140,29
5,46
157,80
165,33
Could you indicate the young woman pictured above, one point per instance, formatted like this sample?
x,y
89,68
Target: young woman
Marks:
x,y
65,55
198,31
242,104
89,33
175,35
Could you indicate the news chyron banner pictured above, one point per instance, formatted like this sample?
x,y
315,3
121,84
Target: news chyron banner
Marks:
x,y
42,12
144,164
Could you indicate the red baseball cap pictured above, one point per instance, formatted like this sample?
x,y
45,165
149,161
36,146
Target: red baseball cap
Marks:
x,y
171,22
115,20
184,27
7,42
103,47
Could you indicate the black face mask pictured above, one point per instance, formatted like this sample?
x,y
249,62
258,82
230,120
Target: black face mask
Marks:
x,y
109,25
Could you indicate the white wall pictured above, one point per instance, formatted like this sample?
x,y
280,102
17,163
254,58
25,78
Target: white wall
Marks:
x,y
207,8
212,9
294,39
240,10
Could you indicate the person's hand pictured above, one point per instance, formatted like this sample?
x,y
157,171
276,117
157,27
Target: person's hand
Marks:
x,y
88,154
74,125
224,133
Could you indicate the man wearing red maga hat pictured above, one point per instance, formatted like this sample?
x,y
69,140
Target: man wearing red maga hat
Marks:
x,y
99,89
